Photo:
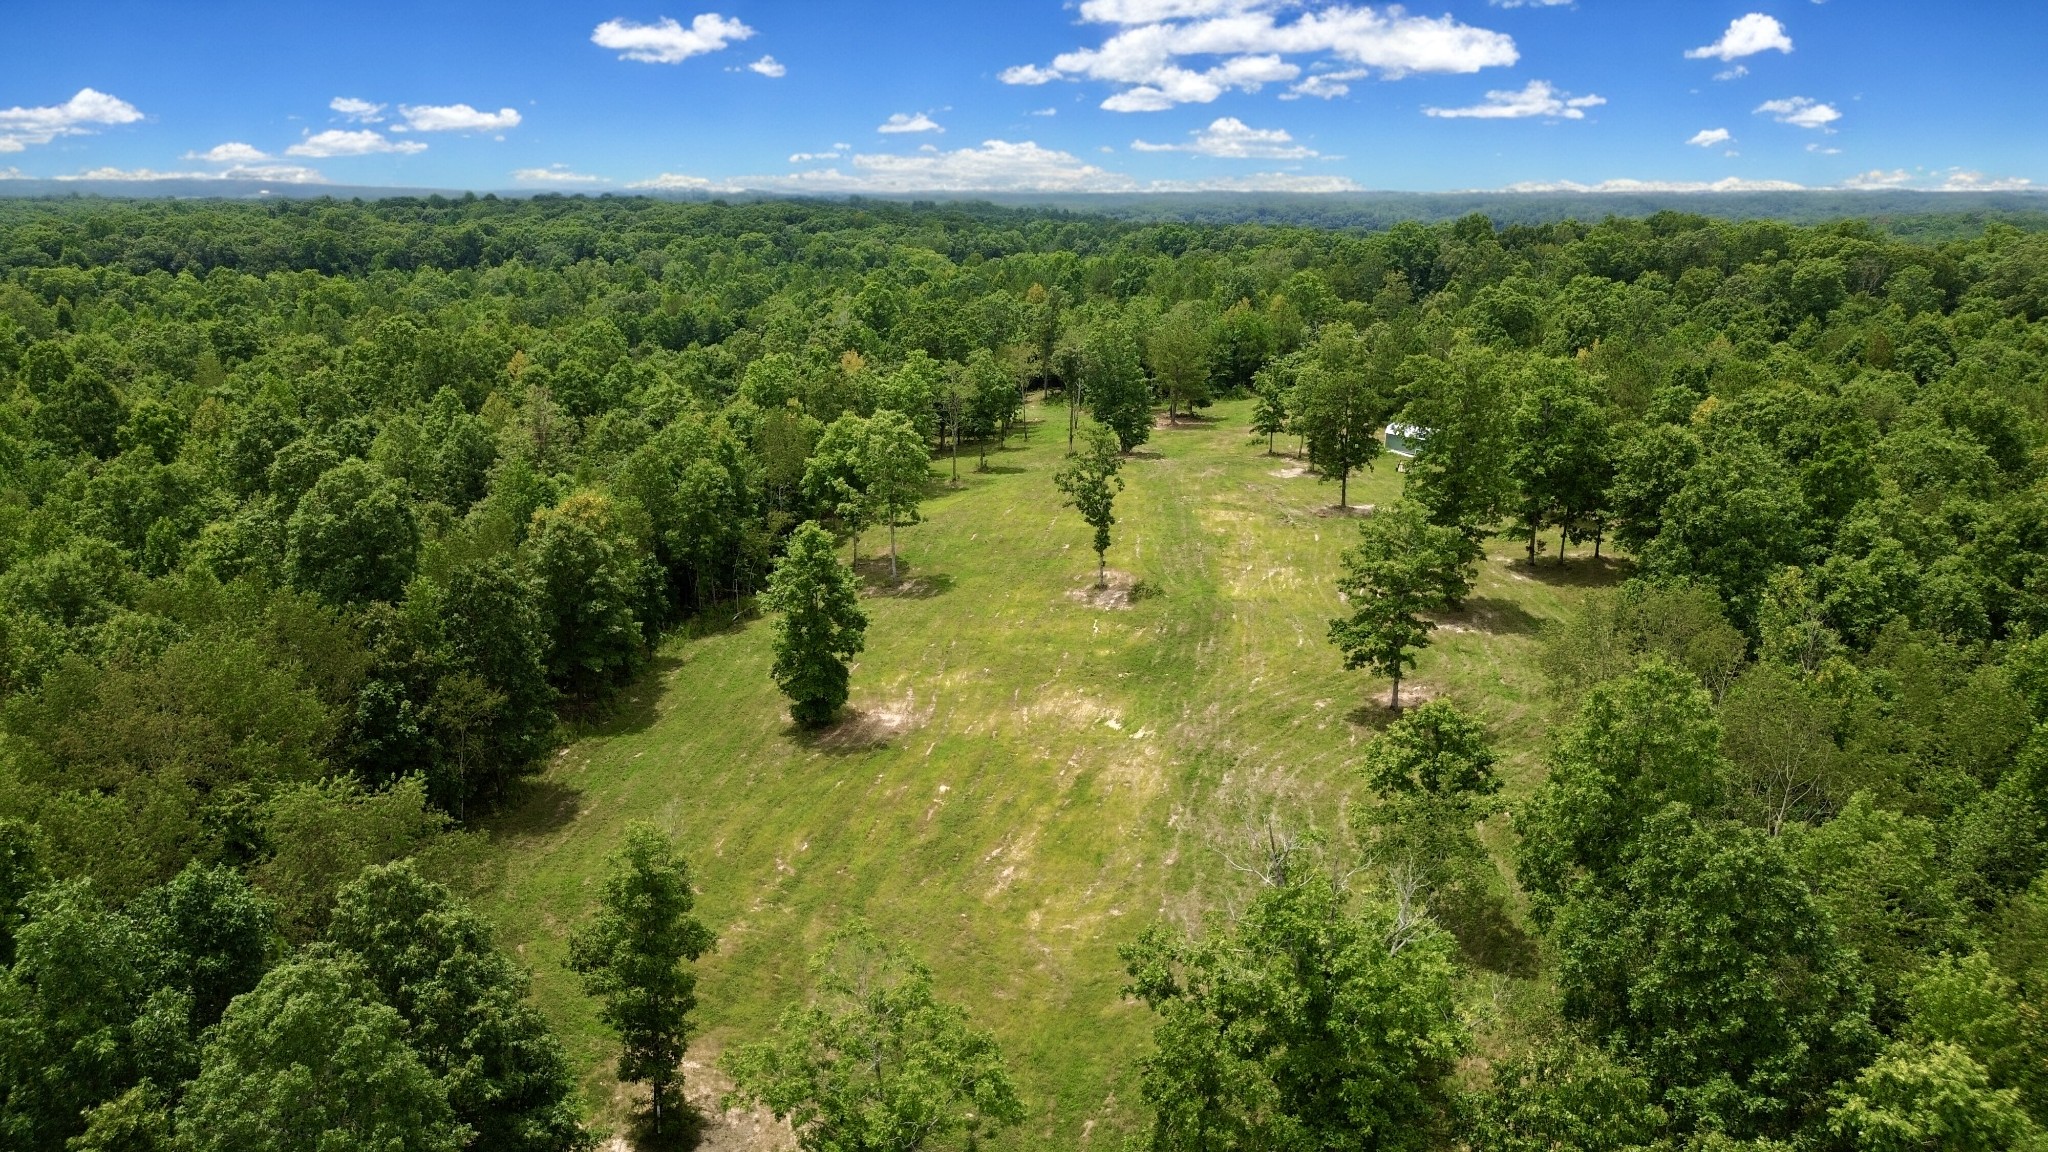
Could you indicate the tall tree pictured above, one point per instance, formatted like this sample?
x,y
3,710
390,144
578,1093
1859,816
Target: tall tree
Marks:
x,y
1269,415
821,625
896,469
1314,1020
1178,350
1090,479
632,958
876,1061
313,1061
465,1006
1465,408
1113,384
835,480
1402,568
1560,461
1339,410
590,574
353,538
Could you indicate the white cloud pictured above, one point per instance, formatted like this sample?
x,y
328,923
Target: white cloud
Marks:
x,y
667,42
1746,36
1730,184
1735,73
1801,112
556,174
1233,139
1260,182
1325,85
1823,150
1709,137
1529,3
1171,52
78,116
338,142
361,111
267,173
1043,112
903,122
11,174
1879,178
457,118
1030,75
233,152
1538,98
676,182
836,152
770,67
1961,181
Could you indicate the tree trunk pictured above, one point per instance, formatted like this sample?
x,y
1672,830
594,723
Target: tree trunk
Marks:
x,y
1269,443
1532,544
1394,700
956,454
1344,488
1599,534
1102,569
892,548
1561,541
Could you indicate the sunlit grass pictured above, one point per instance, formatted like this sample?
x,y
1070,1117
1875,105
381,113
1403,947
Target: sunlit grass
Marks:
x,y
1027,780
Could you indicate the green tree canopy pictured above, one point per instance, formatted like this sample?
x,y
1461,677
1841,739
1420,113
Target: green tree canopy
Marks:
x,y
820,628
875,1061
1401,569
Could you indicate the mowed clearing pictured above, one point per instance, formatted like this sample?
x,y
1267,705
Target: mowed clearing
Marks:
x,y
1030,775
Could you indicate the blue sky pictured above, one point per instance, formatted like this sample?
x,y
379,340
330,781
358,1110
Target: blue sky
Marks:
x,y
1094,95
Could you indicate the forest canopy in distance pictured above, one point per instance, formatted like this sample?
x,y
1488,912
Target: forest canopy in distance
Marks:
x,y
323,526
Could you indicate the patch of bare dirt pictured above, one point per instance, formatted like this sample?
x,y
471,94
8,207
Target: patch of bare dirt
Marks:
x,y
1291,472
873,725
1114,594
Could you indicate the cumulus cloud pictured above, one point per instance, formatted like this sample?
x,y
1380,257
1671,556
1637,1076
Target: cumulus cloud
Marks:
x,y
1962,181
904,122
340,142
1800,112
667,42
1232,139
1730,184
1709,137
677,182
770,67
266,173
1325,85
360,111
81,115
1170,52
1260,182
836,152
1537,98
232,152
1746,36
1879,178
1735,73
556,175
456,118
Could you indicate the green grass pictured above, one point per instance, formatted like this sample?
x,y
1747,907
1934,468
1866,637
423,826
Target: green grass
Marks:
x,y
1032,779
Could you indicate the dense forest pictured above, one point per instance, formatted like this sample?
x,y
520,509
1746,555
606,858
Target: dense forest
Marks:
x,y
323,525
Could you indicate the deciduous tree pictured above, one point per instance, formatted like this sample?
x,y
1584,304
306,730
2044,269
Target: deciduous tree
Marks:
x,y
1090,479
1401,569
632,958
821,625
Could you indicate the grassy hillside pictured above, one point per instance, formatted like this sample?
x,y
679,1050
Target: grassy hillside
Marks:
x,y
1031,778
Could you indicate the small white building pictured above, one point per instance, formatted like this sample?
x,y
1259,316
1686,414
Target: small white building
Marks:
x,y
1405,440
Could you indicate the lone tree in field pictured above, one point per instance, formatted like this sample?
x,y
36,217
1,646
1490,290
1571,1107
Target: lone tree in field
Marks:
x,y
897,468
1338,411
631,958
1177,349
876,1062
821,626
1090,480
1401,568
1269,418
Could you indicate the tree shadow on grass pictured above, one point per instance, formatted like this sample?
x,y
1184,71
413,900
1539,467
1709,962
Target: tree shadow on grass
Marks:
x,y
534,807
1487,936
907,584
1493,615
856,730
631,707
1375,714
682,1128
1582,572
1001,470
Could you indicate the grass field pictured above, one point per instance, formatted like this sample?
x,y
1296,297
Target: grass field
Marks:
x,y
1030,778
